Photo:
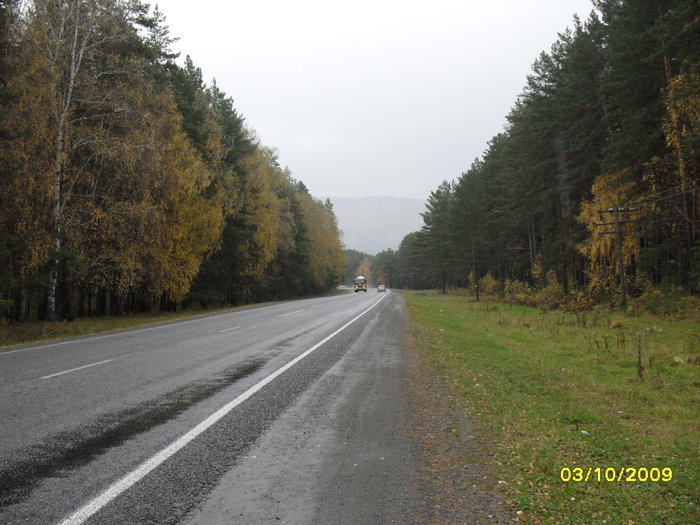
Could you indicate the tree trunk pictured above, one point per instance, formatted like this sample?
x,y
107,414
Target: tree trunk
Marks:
x,y
23,313
73,303
101,306
78,43
53,280
474,268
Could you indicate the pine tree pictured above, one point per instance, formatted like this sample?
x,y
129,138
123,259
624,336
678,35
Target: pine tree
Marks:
x,y
436,234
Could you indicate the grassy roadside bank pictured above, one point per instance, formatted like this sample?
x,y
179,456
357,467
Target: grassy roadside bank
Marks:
x,y
40,331
557,392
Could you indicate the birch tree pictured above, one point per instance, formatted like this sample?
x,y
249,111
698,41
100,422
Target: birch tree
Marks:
x,y
65,42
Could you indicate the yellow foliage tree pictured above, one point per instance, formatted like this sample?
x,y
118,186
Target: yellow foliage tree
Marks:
x,y
327,262
682,121
146,222
191,223
108,178
610,193
28,195
268,213
365,269
682,130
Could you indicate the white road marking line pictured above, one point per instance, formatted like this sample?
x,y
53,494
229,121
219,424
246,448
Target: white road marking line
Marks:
x,y
59,344
115,334
292,313
76,369
229,329
128,481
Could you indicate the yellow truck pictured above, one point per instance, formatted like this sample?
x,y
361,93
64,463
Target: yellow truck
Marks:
x,y
360,284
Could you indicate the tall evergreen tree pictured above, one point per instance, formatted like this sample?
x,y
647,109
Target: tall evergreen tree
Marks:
x,y
468,222
436,233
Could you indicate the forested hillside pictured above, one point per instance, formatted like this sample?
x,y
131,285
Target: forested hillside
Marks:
x,y
128,184
593,186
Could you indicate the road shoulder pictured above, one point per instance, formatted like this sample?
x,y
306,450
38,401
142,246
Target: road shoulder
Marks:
x,y
454,460
340,453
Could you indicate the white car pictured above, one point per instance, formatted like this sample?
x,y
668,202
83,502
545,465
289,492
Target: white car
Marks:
x,y
381,288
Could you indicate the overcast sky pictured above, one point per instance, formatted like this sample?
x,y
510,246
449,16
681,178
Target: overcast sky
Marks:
x,y
377,97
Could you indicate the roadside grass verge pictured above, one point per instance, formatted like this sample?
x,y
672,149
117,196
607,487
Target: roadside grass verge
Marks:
x,y
555,391
39,331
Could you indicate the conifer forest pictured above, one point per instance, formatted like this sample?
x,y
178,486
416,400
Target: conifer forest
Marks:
x,y
593,187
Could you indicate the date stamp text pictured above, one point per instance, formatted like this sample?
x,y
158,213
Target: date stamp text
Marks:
x,y
616,474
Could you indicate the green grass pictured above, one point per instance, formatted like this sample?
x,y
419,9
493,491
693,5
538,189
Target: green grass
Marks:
x,y
554,390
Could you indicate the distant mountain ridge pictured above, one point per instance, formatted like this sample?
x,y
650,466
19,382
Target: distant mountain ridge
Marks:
x,y
374,224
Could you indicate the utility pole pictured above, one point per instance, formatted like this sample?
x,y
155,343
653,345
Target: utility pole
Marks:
x,y
615,211
620,258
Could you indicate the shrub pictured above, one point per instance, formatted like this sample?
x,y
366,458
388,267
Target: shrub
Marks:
x,y
578,303
488,285
665,301
551,295
517,292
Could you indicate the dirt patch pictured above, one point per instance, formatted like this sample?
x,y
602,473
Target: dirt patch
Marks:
x,y
454,460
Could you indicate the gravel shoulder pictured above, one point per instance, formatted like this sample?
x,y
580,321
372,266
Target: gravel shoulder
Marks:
x,y
454,461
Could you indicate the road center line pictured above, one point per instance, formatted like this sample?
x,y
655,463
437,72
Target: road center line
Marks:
x,y
128,481
75,369
292,313
229,329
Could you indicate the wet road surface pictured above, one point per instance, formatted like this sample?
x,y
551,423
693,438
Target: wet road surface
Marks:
x,y
315,436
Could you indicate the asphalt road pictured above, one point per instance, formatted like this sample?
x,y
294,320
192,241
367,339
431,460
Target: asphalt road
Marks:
x,y
288,413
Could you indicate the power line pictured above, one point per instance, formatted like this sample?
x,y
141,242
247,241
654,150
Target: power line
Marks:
x,y
680,189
